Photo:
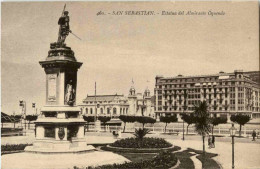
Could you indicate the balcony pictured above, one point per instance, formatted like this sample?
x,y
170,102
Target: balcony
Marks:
x,y
165,107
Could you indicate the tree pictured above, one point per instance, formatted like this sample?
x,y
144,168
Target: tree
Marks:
x,y
189,119
202,118
241,120
126,119
104,120
216,121
31,118
144,120
88,119
168,119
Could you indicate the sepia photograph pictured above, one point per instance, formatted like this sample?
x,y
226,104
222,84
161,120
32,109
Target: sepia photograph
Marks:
x,y
130,84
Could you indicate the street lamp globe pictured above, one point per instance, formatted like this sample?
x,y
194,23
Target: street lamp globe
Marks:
x,y
232,130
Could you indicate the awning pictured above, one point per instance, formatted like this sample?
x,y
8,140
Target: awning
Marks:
x,y
7,119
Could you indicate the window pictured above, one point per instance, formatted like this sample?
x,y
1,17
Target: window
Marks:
x,y
108,111
86,110
91,111
101,110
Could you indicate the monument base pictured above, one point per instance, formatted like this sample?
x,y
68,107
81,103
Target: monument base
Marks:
x,y
60,150
59,146
98,125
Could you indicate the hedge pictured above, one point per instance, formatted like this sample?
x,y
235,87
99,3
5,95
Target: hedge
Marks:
x,y
146,142
163,160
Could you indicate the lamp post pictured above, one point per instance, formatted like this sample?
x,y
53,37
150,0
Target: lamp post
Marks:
x,y
22,104
33,106
232,134
186,93
184,108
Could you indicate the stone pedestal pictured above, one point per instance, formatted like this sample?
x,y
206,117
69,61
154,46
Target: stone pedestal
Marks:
x,y
60,126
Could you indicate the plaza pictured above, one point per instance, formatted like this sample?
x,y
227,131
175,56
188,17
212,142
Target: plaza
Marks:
x,y
246,151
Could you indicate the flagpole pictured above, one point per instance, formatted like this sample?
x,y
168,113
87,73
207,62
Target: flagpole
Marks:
x,y
95,102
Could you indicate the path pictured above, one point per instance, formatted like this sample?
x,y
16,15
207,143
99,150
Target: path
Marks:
x,y
246,155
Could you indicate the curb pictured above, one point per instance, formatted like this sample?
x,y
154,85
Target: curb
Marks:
x,y
136,150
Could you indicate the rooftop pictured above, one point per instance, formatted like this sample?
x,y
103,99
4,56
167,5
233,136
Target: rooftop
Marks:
x,y
103,97
221,73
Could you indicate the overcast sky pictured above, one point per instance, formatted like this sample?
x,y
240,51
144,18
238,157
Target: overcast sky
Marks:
x,y
115,49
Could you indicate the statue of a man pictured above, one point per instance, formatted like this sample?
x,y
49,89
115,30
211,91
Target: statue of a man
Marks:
x,y
70,94
64,27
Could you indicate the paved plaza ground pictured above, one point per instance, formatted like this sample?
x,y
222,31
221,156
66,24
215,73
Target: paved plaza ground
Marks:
x,y
59,161
247,152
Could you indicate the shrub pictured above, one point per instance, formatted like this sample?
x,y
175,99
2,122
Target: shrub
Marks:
x,y
163,160
13,147
146,142
140,133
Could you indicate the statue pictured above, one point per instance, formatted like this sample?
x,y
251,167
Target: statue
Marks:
x,y
70,94
59,48
64,27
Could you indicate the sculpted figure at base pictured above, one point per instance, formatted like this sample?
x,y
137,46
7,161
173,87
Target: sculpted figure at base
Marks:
x,y
70,94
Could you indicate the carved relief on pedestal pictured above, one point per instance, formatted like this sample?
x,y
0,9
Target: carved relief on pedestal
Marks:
x,y
52,78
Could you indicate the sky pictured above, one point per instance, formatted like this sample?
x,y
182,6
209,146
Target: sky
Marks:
x,y
116,49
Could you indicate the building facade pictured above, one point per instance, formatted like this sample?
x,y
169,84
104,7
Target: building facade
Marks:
x,y
225,93
115,105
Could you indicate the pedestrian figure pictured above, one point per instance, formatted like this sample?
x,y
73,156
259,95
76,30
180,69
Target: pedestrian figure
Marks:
x,y
213,141
253,135
209,142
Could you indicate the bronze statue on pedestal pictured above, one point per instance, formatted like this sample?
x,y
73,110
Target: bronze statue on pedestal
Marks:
x,y
64,29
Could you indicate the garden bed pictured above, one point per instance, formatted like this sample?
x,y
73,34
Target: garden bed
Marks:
x,y
137,150
146,142
13,148
144,145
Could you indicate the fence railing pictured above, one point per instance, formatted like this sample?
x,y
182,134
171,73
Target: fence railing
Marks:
x,y
153,129
170,130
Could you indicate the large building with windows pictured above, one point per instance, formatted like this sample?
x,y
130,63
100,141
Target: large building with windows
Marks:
x,y
225,93
136,104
